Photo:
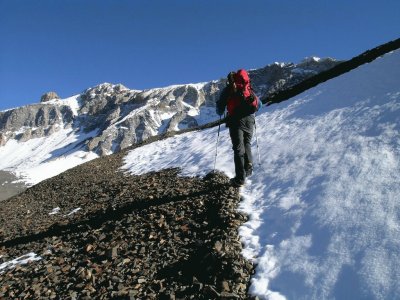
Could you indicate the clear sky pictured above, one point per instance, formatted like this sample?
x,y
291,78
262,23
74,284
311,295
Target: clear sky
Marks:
x,y
68,46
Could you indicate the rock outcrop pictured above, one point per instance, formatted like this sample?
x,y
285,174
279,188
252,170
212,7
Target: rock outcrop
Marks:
x,y
49,96
33,121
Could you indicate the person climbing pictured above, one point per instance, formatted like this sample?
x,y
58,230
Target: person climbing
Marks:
x,y
241,103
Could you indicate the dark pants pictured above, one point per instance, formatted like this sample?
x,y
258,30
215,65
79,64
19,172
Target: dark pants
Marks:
x,y
241,132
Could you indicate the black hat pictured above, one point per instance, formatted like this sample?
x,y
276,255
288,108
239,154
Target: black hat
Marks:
x,y
230,78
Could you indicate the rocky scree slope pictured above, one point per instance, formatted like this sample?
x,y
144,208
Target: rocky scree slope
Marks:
x,y
120,117
103,234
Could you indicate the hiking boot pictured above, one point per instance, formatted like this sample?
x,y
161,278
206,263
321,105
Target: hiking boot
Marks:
x,y
248,170
236,182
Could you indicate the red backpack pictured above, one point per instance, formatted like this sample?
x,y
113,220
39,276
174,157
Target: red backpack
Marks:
x,y
243,87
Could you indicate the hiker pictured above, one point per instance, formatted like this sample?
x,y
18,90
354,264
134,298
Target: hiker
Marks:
x,y
241,103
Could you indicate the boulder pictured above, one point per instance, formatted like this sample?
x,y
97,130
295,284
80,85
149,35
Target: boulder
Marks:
x,y
49,96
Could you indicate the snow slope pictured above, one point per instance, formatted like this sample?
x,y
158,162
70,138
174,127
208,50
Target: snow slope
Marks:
x,y
41,158
324,203
37,159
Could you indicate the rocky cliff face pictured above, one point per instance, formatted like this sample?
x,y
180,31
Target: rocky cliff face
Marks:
x,y
33,121
49,96
121,117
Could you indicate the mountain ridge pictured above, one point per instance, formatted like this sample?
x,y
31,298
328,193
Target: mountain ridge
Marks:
x,y
124,117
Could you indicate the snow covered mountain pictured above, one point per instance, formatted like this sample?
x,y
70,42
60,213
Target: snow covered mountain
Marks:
x,y
324,201
121,116
42,140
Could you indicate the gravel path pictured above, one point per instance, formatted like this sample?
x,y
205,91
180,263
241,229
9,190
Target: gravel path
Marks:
x,y
104,234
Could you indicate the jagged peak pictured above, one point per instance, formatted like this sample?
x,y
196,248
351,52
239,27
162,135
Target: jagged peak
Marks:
x,y
197,86
107,87
49,96
304,61
309,59
312,60
279,64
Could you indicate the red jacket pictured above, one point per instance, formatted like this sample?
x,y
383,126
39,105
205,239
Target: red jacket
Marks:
x,y
234,96
242,84
233,102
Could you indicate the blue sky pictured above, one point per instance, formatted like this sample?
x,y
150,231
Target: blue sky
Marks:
x,y
68,46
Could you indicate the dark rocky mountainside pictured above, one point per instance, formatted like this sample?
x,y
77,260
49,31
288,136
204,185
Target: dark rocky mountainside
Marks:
x,y
155,236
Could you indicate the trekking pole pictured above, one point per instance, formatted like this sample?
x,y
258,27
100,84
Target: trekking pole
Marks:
x,y
216,146
258,149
